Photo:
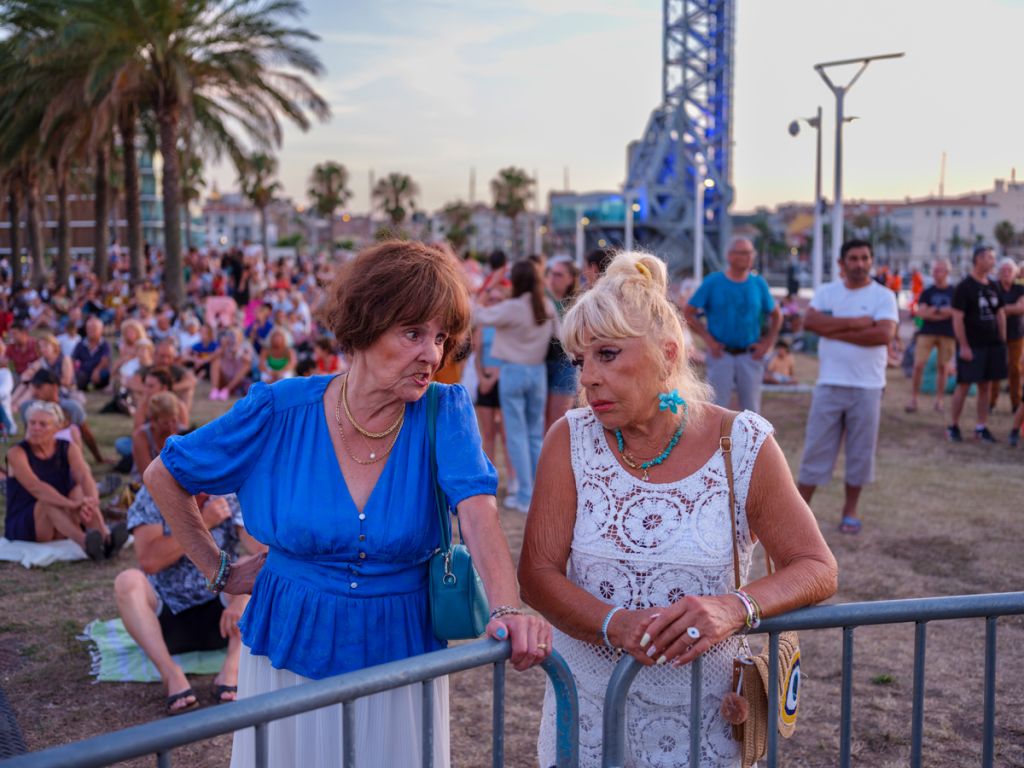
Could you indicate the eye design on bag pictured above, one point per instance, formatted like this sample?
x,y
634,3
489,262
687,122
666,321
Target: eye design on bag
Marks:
x,y
791,685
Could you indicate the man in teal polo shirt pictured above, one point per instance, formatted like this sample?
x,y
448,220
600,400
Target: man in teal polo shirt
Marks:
x,y
735,304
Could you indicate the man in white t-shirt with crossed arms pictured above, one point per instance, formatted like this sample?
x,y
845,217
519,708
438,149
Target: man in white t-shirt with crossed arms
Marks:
x,y
856,319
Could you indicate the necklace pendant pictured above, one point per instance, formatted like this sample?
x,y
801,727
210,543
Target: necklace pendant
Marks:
x,y
373,455
646,476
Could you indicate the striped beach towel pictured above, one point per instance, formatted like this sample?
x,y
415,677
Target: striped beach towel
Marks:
x,y
117,658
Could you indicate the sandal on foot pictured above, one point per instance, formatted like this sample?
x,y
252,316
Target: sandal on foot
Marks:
x,y
850,525
910,408
118,536
93,545
219,691
174,698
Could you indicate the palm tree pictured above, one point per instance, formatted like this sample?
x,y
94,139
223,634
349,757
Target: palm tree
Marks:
x,y
192,184
256,180
459,219
328,189
512,189
214,64
1004,234
890,237
395,194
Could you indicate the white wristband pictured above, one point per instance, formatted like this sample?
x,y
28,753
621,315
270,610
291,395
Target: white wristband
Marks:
x,y
604,626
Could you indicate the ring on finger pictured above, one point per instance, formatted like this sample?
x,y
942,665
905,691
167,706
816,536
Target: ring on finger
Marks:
x,y
542,646
693,633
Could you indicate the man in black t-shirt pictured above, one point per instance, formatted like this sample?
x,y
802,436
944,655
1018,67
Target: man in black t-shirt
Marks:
x,y
979,324
935,308
1011,294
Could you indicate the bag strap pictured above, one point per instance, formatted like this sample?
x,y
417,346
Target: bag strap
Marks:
x,y
440,502
725,442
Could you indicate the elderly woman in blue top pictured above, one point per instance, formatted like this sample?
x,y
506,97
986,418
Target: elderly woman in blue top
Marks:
x,y
333,475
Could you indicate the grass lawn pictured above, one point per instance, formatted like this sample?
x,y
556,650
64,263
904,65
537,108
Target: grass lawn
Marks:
x,y
940,520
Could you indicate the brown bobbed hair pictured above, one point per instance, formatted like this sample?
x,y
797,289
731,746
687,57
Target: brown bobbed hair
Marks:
x,y
394,283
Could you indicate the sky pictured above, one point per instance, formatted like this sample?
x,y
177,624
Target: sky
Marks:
x,y
438,88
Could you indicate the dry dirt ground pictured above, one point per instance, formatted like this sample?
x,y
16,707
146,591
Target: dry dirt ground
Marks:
x,y
941,520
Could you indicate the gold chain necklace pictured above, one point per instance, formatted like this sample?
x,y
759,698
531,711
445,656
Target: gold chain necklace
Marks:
x,y
343,398
374,458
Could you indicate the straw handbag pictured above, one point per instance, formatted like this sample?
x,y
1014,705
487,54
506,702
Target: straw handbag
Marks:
x,y
750,674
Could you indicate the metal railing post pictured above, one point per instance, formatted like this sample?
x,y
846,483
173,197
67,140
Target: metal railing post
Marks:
x,y
696,692
773,698
348,733
989,734
846,713
567,711
917,717
613,736
428,723
498,716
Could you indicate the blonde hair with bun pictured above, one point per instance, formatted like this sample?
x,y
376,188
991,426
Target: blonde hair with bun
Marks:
x,y
631,301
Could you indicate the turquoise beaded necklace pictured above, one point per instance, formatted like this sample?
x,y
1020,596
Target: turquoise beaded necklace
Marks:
x,y
645,466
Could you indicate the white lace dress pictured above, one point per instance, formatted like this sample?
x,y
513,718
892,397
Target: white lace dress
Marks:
x,y
638,545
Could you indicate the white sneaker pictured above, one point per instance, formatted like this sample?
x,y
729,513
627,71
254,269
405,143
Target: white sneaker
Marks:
x,y
511,503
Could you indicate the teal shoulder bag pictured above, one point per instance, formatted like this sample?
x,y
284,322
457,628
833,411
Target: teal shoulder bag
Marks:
x,y
458,603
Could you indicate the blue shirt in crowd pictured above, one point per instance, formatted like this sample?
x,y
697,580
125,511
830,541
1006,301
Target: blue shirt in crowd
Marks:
x,y
340,590
735,311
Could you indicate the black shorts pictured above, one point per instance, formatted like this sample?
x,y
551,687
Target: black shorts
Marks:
x,y
989,364
489,400
194,629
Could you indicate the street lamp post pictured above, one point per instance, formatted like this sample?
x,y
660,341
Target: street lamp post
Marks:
x,y
818,249
581,223
839,91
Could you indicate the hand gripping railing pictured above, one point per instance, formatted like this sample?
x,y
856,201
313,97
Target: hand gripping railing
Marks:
x,y
848,616
160,737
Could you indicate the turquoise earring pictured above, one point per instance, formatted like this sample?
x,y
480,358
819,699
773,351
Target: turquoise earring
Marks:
x,y
670,401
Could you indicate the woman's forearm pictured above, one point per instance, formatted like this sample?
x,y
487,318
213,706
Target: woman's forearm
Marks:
x,y
806,581
572,609
486,540
182,514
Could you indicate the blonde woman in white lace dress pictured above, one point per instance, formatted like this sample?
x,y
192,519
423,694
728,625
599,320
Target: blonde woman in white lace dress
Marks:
x,y
628,544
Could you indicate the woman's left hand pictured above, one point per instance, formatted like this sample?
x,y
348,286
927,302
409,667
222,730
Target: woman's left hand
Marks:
x,y
713,617
230,617
530,636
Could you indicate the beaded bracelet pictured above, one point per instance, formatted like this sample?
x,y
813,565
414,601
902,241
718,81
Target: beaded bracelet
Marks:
x,y
217,584
753,618
606,623
505,610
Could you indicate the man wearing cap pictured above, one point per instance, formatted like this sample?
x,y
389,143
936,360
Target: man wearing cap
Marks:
x,y
735,304
979,324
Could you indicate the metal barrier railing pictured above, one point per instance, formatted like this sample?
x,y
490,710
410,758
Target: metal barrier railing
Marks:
x,y
160,737
847,616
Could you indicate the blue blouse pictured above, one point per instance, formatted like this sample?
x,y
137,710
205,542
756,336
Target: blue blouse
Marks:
x,y
340,590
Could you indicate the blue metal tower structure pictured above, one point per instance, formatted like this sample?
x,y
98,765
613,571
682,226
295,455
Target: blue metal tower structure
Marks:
x,y
688,139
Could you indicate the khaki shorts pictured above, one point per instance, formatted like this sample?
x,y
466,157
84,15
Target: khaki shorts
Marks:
x,y
946,345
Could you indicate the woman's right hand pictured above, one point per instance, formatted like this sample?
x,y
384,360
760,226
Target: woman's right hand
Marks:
x,y
243,574
627,629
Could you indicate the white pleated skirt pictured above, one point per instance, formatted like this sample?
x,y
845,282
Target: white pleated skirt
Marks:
x,y
388,725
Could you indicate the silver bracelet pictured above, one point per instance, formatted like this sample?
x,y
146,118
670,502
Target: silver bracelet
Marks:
x,y
604,626
505,610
